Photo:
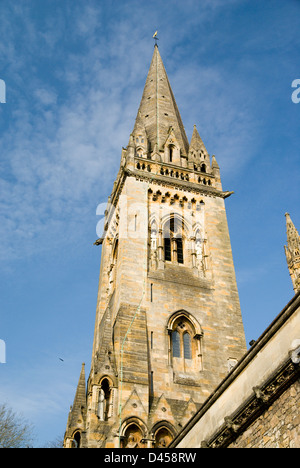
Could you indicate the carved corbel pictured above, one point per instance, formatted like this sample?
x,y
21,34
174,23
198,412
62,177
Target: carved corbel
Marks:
x,y
231,425
262,398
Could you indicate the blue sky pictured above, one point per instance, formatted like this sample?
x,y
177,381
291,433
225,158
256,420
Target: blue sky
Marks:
x,y
74,74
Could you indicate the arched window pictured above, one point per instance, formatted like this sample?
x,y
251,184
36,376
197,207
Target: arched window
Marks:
x,y
171,153
104,401
203,168
185,343
173,240
133,437
77,440
181,339
163,437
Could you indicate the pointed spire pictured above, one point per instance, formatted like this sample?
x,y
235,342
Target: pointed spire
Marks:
x,y
79,404
292,234
196,141
214,163
103,359
158,110
292,252
197,151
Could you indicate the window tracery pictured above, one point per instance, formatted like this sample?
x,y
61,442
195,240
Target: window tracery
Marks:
x,y
185,343
178,239
173,240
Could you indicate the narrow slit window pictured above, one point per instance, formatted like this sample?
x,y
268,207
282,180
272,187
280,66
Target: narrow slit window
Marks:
x,y
179,251
187,346
167,249
176,344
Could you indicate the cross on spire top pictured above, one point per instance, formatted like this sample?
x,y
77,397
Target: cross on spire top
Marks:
x,y
155,38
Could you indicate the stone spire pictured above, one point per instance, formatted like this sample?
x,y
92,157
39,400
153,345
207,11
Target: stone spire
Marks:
x,y
158,113
76,419
196,141
292,252
198,155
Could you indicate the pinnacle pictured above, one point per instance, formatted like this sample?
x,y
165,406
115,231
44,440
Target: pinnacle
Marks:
x,y
196,141
293,237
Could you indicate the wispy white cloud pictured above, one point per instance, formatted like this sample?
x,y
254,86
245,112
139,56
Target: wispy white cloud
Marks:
x,y
75,75
61,151
47,97
56,152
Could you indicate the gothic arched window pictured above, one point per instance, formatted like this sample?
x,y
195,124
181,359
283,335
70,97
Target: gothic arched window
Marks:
x,y
163,436
185,342
133,437
171,150
105,397
182,346
77,440
173,240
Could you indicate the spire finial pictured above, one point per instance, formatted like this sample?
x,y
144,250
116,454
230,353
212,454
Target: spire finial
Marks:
x,y
155,38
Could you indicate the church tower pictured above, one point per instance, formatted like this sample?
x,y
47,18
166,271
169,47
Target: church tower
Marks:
x,y
168,323
292,252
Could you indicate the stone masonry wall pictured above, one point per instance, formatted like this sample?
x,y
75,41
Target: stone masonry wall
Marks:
x,y
278,426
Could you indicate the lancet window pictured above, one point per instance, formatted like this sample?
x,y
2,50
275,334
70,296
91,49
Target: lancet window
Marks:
x,y
182,346
173,241
76,442
185,342
104,410
171,153
177,239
